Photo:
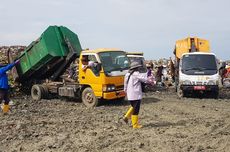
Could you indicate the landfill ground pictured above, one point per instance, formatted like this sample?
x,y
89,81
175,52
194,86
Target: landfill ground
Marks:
x,y
169,124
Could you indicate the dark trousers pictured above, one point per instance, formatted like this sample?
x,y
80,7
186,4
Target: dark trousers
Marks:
x,y
4,96
136,106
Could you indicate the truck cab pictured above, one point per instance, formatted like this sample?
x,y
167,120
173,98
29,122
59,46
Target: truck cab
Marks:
x,y
198,71
105,79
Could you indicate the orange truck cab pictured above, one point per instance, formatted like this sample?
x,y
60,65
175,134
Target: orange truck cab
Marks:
x,y
104,76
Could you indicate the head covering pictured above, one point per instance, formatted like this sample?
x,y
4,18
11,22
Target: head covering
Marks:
x,y
135,65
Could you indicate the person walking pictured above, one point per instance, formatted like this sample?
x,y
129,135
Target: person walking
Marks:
x,y
4,86
133,90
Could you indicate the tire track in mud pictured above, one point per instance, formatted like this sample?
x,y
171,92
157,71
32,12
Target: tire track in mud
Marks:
x,y
198,116
170,124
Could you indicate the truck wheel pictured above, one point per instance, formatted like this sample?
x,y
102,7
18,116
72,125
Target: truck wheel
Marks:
x,y
88,98
216,94
45,92
36,92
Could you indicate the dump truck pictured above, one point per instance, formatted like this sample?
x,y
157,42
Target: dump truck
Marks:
x,y
52,66
196,69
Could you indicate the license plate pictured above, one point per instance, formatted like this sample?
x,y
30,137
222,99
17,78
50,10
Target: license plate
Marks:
x,y
199,88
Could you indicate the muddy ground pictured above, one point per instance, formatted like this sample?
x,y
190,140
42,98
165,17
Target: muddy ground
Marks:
x,y
169,124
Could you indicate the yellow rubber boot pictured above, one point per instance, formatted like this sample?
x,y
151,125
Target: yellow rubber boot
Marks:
x,y
128,115
135,122
5,108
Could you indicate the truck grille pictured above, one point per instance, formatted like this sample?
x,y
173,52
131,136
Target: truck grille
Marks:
x,y
199,83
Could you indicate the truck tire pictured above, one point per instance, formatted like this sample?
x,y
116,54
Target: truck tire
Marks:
x,y
216,94
36,92
45,92
88,98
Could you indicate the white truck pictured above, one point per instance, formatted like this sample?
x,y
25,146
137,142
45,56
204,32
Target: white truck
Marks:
x,y
196,69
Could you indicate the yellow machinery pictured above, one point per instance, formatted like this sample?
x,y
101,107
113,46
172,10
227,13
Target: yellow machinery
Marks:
x,y
106,79
54,65
189,44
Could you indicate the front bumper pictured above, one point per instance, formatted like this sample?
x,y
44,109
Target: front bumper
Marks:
x,y
113,95
199,88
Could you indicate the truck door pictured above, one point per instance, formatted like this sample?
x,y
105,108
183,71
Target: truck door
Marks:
x,y
89,73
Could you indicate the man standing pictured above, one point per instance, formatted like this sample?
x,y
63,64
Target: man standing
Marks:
x,y
4,86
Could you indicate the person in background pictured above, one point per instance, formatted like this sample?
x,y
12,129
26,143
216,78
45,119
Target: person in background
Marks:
x,y
4,86
222,71
133,90
159,74
150,75
151,65
149,70
172,69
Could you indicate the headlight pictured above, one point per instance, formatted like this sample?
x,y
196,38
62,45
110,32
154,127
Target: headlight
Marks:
x,y
187,82
108,88
211,82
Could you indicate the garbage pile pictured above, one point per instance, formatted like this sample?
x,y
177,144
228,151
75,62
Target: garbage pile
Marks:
x,y
15,51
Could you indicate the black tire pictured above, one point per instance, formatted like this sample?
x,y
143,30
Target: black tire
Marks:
x,y
216,94
36,92
88,98
45,92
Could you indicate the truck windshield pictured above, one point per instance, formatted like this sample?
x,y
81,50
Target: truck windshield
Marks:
x,y
114,62
199,64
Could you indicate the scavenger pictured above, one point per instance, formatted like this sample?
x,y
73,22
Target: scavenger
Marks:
x,y
4,86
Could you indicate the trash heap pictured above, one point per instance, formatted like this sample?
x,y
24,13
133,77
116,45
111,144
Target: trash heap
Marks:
x,y
15,51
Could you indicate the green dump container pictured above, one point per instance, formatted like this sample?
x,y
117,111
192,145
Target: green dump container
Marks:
x,y
44,56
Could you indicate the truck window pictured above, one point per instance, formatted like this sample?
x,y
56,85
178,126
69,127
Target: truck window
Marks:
x,y
91,62
199,63
114,61
141,61
92,58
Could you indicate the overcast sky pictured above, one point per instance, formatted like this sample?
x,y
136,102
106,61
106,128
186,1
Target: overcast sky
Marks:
x,y
149,26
